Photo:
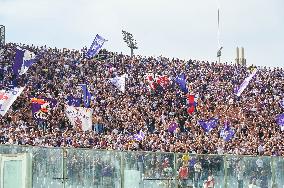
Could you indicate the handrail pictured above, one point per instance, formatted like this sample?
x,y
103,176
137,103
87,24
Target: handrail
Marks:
x,y
68,165
132,151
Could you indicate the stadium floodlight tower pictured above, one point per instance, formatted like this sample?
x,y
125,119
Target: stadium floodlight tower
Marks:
x,y
219,53
129,40
2,36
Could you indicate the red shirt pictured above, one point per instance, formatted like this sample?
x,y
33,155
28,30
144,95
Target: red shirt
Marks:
x,y
183,172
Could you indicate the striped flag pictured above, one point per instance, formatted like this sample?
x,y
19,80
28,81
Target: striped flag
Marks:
x,y
96,46
245,83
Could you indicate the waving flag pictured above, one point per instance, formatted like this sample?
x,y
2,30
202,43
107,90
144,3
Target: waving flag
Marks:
x,y
7,98
245,83
191,103
227,133
119,82
23,60
139,136
181,81
280,121
163,81
150,79
41,107
96,46
172,127
281,102
80,117
86,95
208,125
73,101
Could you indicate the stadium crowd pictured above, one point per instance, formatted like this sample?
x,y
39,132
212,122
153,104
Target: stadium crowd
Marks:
x,y
117,115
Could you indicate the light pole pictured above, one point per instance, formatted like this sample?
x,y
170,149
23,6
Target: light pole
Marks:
x,y
129,40
219,54
2,36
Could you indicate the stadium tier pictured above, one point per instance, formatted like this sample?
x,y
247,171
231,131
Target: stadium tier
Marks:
x,y
63,98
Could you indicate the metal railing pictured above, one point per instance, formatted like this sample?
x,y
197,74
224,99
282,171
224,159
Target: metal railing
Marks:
x,y
88,168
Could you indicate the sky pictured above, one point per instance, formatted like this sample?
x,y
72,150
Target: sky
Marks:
x,y
185,29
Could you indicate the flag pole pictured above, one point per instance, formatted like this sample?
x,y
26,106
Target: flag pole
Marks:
x,y
218,32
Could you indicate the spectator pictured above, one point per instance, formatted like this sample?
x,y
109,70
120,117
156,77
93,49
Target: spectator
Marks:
x,y
118,115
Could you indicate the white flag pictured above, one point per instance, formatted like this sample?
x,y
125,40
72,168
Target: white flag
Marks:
x,y
7,98
119,82
80,117
245,83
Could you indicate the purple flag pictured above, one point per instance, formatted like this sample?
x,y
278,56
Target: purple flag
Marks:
x,y
208,125
86,95
227,133
96,46
139,136
23,60
245,83
172,127
280,121
73,101
181,81
41,107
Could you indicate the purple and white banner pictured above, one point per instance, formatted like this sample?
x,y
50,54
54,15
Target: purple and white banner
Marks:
x,y
7,98
23,60
280,121
80,117
119,82
139,136
96,46
227,133
245,83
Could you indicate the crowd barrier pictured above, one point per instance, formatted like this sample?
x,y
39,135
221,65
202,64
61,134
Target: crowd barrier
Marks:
x,y
41,167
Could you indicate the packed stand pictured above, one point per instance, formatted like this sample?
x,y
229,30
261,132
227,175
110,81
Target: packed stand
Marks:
x,y
118,116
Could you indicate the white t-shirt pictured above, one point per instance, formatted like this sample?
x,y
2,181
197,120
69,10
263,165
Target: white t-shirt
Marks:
x,y
259,163
197,167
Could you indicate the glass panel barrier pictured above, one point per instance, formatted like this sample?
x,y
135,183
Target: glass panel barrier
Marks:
x,y
133,165
149,170
248,171
200,170
278,164
93,168
76,168
13,174
46,164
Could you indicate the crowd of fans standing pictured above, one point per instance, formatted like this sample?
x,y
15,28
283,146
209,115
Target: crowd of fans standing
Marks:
x,y
117,115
